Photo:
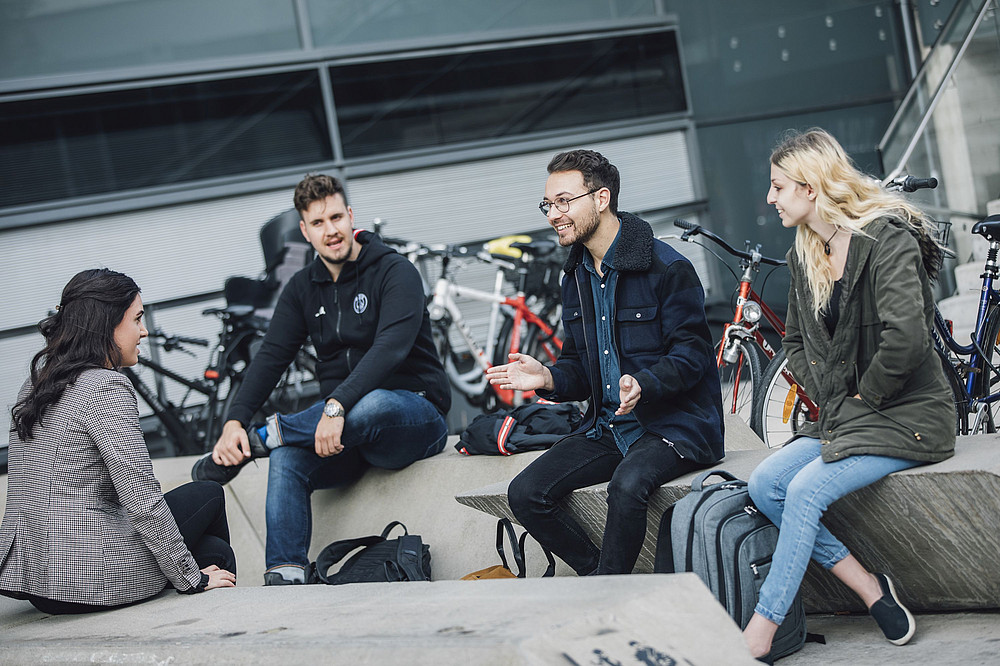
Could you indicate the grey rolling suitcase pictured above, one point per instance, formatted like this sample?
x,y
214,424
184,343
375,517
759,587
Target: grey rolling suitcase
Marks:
x,y
717,533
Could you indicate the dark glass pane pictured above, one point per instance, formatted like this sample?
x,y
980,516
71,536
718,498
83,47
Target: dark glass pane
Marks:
x,y
40,38
360,22
89,144
406,104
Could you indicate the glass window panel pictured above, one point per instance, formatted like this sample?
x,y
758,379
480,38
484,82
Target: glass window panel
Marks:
x,y
741,60
66,36
344,22
89,144
413,103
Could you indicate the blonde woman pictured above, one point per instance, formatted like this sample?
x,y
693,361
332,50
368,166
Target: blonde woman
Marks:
x,y
858,341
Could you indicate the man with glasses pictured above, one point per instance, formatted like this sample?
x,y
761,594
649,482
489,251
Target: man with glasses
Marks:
x,y
637,346
386,394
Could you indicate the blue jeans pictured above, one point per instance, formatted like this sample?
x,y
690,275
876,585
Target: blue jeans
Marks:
x,y
387,429
794,487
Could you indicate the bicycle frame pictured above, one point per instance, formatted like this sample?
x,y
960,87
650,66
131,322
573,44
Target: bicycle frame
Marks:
x,y
989,298
474,381
166,411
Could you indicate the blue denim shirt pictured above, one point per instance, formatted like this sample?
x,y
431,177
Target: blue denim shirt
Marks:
x,y
626,429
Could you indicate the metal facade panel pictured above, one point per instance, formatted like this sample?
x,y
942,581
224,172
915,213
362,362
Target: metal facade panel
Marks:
x,y
171,252
475,201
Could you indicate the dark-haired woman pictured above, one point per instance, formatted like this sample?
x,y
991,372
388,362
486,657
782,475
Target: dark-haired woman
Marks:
x,y
86,526
858,340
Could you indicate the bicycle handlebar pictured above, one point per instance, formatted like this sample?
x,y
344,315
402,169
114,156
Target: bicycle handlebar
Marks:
x,y
170,342
907,183
692,229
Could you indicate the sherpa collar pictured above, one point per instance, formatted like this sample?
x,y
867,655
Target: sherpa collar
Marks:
x,y
633,253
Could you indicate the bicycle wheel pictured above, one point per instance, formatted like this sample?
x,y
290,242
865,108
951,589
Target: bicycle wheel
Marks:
x,y
739,380
989,380
297,389
533,342
958,395
779,411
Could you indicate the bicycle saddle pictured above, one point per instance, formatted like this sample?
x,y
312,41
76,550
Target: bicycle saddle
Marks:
x,y
235,311
538,248
988,228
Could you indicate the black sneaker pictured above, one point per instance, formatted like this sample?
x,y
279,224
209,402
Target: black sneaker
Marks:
x,y
206,469
892,617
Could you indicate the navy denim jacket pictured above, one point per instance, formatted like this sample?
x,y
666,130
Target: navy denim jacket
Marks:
x,y
663,341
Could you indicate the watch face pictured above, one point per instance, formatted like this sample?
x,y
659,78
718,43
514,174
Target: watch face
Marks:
x,y
332,409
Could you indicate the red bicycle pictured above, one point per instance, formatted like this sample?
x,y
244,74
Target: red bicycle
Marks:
x,y
738,352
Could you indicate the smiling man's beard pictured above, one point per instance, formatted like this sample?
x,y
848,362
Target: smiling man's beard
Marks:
x,y
587,227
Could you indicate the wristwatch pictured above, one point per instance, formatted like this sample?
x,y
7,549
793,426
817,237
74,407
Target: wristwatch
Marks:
x,y
333,409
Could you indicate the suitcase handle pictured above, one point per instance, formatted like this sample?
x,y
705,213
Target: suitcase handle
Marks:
x,y
698,484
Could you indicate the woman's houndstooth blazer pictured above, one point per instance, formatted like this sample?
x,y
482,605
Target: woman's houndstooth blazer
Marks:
x,y
86,520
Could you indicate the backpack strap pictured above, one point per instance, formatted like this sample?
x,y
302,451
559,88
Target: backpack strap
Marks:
x,y
550,571
663,560
698,484
338,550
388,528
504,526
409,557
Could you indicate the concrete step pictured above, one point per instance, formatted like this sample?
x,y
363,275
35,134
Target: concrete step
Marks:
x,y
610,619
933,527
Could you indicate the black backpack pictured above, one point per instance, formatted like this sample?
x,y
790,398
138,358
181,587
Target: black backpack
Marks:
x,y
716,532
530,427
380,560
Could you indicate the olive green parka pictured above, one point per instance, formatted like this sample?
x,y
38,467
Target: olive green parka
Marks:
x,y
881,349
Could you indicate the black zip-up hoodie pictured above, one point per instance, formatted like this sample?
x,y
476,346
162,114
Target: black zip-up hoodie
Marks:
x,y
370,329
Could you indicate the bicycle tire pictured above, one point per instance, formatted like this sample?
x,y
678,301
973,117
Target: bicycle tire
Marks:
x,y
532,342
958,395
775,420
739,380
291,394
988,379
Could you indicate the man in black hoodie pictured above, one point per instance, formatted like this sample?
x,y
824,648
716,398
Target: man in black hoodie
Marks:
x,y
362,305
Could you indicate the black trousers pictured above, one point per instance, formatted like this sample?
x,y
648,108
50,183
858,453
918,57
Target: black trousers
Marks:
x,y
199,508
578,462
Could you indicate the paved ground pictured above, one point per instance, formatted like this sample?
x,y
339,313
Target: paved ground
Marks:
x,y
649,620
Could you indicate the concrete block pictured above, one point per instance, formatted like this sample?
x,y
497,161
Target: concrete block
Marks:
x,y
962,311
420,496
932,527
609,619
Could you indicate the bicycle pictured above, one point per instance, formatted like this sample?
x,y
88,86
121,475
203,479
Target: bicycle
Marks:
x,y
525,323
193,428
781,407
738,352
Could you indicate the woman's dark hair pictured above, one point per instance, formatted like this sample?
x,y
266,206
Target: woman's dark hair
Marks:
x,y
80,335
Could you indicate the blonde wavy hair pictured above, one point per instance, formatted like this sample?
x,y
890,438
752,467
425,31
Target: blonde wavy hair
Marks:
x,y
845,198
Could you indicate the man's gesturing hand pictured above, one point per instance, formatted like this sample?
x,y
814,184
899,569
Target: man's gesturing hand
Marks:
x,y
328,433
629,392
523,373
233,446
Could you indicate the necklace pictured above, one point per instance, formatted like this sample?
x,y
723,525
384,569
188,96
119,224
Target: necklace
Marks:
x,y
826,243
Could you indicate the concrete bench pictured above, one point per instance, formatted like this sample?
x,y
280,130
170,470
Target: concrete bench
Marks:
x,y
935,527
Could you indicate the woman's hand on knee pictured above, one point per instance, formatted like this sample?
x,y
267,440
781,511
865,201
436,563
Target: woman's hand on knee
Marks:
x,y
218,577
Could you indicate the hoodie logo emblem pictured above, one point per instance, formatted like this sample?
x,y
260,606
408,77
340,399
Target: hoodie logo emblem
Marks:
x,y
360,303
320,312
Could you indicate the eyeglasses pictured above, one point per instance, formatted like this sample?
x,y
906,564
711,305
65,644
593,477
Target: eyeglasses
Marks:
x,y
561,204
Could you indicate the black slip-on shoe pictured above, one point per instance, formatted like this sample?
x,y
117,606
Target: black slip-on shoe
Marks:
x,y
206,469
275,578
893,618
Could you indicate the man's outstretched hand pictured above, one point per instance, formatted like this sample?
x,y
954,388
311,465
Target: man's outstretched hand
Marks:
x,y
523,373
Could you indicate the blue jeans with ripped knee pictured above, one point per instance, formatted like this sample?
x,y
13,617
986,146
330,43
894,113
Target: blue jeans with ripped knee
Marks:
x,y
387,428
794,487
